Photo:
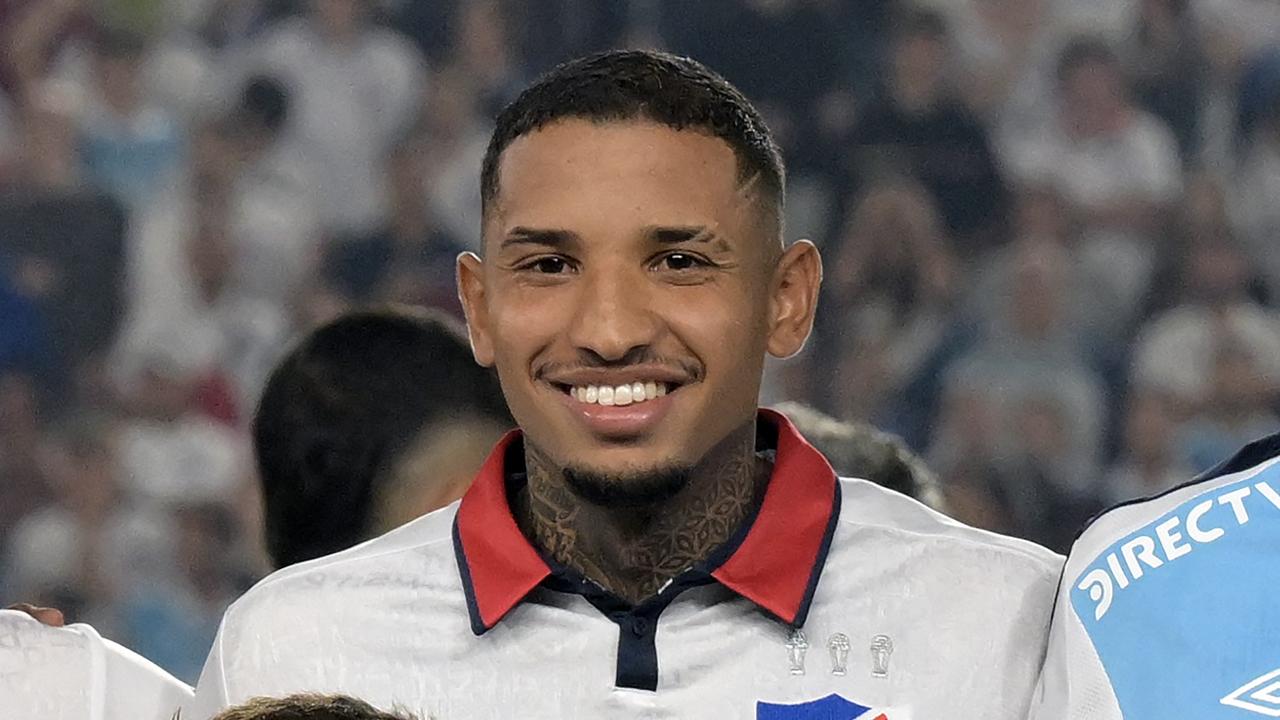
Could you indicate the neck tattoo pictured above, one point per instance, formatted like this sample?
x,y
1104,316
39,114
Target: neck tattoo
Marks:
x,y
634,551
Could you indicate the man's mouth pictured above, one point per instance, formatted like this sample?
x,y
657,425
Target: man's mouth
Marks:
x,y
617,395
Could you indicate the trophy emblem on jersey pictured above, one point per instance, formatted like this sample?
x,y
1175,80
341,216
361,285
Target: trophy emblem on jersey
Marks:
x,y
797,646
838,645
881,650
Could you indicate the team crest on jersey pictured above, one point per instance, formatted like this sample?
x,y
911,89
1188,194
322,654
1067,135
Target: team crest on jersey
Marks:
x,y
831,707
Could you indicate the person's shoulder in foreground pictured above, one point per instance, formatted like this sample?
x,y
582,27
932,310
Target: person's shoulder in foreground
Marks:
x,y
72,673
1167,606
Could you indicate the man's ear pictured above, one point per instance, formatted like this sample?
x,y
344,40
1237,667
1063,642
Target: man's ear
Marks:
x,y
794,300
471,292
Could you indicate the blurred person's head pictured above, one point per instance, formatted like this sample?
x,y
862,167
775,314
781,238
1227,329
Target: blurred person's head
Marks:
x,y
1216,272
632,210
204,546
407,168
1237,387
919,59
164,387
482,44
1203,212
1037,302
1041,214
260,115
1093,98
211,255
118,57
893,234
308,707
1150,425
1039,427
859,450
372,419
339,20
19,409
47,150
80,462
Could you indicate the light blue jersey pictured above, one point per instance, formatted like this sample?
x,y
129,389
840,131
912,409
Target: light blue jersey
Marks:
x,y
1170,607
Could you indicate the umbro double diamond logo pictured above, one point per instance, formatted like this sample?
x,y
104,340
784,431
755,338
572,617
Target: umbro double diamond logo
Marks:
x,y
1260,695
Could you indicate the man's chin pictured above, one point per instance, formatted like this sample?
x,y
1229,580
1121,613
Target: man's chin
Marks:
x,y
627,486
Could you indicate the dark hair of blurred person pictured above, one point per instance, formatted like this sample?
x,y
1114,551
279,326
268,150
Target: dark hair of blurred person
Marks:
x,y
859,450
308,707
370,421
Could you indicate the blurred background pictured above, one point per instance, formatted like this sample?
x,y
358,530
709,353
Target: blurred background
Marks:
x,y
1048,229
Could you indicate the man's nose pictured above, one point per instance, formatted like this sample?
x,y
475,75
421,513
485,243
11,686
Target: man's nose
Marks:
x,y
614,318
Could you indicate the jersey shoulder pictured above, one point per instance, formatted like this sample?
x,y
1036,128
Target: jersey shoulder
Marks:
x,y
418,551
871,507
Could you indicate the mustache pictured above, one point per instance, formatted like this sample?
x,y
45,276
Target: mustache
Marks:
x,y
690,368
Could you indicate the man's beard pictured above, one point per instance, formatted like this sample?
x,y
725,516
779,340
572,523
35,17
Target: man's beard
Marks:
x,y
629,488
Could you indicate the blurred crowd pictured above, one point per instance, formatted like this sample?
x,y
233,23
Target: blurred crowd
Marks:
x,y
1046,226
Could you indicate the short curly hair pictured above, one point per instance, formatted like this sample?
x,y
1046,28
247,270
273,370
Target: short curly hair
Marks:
x,y
309,707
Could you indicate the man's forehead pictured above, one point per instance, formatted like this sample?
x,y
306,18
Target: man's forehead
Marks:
x,y
580,168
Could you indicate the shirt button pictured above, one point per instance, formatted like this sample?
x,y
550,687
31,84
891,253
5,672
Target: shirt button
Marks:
x,y
639,626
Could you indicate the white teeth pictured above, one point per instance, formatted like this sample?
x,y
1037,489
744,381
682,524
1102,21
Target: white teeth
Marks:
x,y
622,395
626,394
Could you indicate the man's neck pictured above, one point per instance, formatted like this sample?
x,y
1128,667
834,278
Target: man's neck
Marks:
x,y
634,551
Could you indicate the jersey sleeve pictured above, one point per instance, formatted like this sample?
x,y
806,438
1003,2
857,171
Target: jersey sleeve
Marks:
x,y
137,688
1166,607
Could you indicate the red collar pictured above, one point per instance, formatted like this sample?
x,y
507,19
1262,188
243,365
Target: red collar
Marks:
x,y
776,566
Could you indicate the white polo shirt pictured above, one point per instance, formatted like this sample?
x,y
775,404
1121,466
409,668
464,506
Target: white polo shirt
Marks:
x,y
72,673
838,600
1170,607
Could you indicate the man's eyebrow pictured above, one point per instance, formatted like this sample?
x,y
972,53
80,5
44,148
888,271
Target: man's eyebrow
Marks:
x,y
674,235
547,237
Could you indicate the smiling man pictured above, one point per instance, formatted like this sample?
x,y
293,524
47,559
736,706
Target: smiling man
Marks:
x,y
649,543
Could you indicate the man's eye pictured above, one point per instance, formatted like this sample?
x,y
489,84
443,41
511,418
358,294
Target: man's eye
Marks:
x,y
680,261
551,265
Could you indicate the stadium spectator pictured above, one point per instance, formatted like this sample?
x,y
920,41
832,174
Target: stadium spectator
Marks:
x,y
1256,180
372,420
1048,399
895,277
354,87
410,259
1177,350
1164,60
273,215
1152,458
1115,164
80,552
1237,406
130,148
63,245
920,126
